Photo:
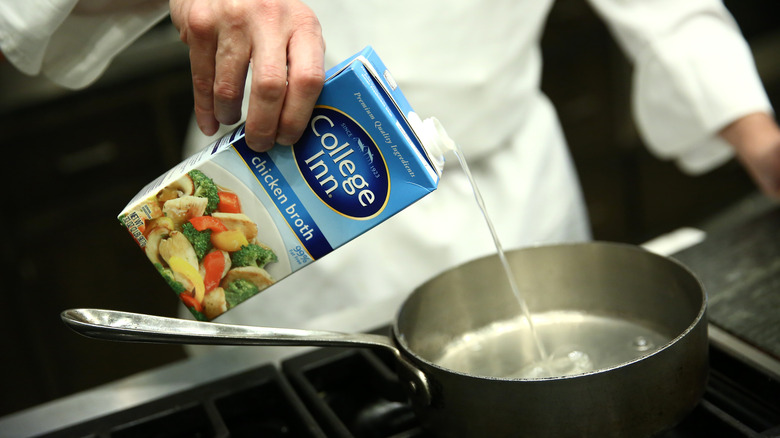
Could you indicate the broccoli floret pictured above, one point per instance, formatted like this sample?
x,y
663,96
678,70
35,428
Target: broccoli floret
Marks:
x,y
239,290
200,240
205,188
252,255
198,315
167,274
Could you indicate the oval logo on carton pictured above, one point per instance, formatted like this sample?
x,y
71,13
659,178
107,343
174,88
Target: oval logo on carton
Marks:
x,y
342,164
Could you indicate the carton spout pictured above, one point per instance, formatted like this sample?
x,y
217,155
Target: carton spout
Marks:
x,y
433,137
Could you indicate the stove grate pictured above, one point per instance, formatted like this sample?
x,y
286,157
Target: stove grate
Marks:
x,y
259,402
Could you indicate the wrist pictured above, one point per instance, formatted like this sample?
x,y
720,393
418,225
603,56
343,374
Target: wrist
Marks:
x,y
751,131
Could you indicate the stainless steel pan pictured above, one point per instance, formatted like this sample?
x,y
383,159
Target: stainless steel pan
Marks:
x,y
459,343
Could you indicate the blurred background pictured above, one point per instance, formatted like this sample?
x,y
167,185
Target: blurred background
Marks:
x,y
74,159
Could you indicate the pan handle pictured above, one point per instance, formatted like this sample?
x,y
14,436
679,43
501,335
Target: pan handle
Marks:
x,y
135,327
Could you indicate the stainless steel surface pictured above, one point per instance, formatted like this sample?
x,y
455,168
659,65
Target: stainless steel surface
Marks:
x,y
636,398
575,342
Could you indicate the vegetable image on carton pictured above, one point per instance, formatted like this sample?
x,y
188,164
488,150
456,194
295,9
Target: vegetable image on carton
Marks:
x,y
229,222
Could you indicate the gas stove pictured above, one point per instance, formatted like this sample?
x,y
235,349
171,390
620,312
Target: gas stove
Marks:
x,y
354,393
342,392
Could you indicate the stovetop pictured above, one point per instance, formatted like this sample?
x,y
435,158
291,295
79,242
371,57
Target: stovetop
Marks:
x,y
337,392
354,393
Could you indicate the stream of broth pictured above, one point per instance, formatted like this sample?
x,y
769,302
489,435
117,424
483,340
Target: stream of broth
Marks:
x,y
540,348
567,358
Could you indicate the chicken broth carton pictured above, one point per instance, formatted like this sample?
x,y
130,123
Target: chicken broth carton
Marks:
x,y
229,222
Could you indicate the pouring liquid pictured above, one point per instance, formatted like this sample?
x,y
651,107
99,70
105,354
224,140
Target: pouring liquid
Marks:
x,y
540,347
567,358
581,343
594,340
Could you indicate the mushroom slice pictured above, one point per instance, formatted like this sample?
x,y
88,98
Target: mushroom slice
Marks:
x,y
183,208
214,303
238,221
181,187
160,222
184,185
153,240
178,245
257,276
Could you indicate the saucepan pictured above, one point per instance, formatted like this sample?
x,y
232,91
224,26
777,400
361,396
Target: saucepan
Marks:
x,y
616,345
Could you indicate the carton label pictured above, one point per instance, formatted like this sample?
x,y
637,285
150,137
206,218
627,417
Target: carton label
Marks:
x,y
229,222
286,202
342,165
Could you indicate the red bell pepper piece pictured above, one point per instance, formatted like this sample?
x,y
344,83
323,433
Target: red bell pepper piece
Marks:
x,y
208,223
214,264
190,301
229,203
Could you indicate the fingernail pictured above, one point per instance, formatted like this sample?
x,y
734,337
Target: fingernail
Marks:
x,y
285,140
227,116
208,128
259,146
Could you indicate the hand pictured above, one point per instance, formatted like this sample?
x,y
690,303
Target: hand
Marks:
x,y
756,139
280,40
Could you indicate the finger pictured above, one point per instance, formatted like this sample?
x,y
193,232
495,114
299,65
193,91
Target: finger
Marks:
x,y
305,76
232,62
202,42
268,88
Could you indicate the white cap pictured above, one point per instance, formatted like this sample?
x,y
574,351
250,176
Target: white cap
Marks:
x,y
433,137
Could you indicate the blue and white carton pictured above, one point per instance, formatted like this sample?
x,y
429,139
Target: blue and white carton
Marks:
x,y
228,222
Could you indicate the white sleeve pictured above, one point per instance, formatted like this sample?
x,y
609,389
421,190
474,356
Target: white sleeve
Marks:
x,y
69,43
693,74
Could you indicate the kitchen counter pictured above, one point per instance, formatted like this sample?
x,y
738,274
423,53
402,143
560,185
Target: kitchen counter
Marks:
x,y
739,265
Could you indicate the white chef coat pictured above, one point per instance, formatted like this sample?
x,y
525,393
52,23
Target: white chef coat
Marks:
x,y
72,41
476,66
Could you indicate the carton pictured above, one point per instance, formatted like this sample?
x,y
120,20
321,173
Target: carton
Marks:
x,y
229,222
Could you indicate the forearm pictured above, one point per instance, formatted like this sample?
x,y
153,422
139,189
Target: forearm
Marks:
x,y
756,140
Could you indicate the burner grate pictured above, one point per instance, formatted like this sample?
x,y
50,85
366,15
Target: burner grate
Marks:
x,y
353,394
259,402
